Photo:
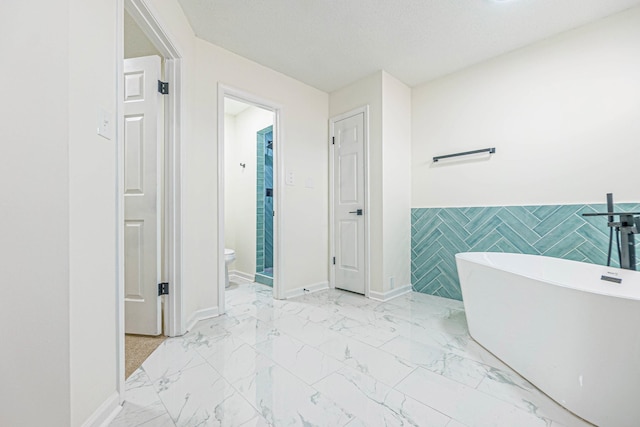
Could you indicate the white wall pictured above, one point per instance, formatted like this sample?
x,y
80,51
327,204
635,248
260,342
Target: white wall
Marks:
x,y
303,142
92,215
240,146
396,181
562,114
58,212
34,255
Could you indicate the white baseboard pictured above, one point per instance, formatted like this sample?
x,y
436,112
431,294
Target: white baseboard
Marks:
x,y
306,290
390,294
205,313
105,413
243,275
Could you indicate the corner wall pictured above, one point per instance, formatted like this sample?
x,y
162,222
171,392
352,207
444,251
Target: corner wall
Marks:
x,y
92,213
396,183
389,103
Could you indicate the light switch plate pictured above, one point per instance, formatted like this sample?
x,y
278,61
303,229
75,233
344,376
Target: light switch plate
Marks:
x,y
105,127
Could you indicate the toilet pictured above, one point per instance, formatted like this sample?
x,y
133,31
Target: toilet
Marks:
x,y
229,257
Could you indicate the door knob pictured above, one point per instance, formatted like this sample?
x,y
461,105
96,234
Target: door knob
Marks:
x,y
357,212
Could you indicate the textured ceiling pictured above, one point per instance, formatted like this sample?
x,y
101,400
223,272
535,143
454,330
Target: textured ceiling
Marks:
x,y
329,44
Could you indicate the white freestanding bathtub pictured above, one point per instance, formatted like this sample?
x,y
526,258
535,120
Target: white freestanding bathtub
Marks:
x,y
571,333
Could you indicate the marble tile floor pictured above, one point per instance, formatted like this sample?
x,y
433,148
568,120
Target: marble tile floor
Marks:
x,y
332,358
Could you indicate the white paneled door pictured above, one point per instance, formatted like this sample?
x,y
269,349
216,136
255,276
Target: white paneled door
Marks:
x,y
349,203
142,194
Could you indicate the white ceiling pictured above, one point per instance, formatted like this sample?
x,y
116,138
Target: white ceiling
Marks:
x,y
329,44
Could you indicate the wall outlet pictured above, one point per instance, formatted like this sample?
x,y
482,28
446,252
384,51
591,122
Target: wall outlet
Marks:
x,y
290,178
392,282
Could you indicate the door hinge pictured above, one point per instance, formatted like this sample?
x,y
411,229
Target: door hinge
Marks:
x,y
333,140
163,87
163,288
334,260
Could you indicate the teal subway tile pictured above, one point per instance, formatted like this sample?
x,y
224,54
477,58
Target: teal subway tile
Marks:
x,y
523,215
503,245
427,228
565,233
570,242
595,234
481,232
545,211
453,239
426,259
487,242
550,222
450,219
595,254
559,233
482,216
530,235
575,255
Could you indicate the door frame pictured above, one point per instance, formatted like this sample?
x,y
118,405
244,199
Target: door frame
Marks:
x,y
367,205
225,91
174,324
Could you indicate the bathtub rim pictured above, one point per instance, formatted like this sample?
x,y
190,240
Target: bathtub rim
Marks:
x,y
624,290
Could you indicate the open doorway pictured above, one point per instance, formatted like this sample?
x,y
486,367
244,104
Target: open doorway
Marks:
x,y
144,249
149,257
249,152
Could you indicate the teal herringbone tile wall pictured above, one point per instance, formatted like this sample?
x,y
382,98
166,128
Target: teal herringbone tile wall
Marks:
x,y
560,231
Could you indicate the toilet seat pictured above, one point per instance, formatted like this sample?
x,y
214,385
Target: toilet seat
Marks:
x,y
229,255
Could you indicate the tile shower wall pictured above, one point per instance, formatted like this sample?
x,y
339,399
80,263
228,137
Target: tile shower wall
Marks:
x,y
268,203
559,231
260,201
264,207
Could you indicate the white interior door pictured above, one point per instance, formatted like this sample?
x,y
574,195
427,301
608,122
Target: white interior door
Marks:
x,y
349,203
142,194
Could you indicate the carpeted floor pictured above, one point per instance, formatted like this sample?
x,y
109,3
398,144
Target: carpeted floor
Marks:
x,y
136,350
